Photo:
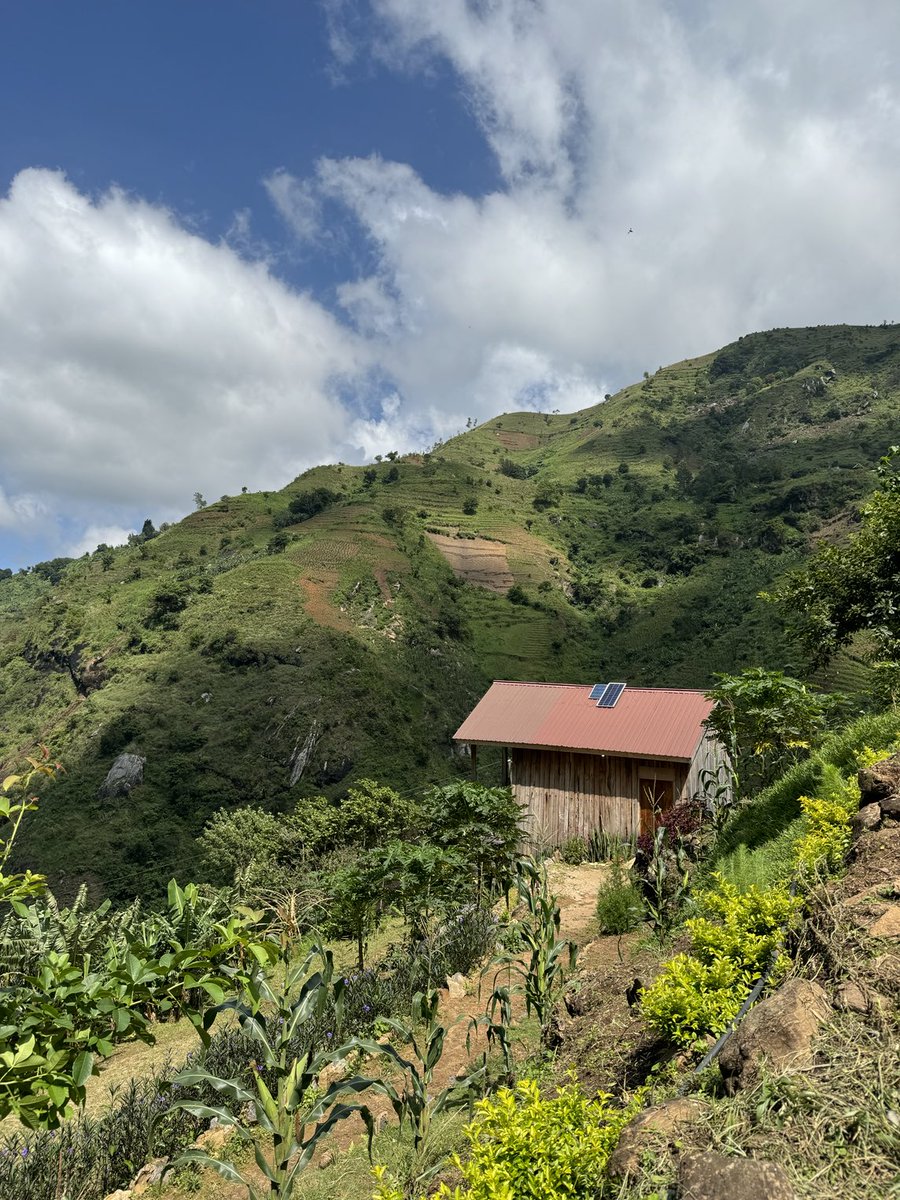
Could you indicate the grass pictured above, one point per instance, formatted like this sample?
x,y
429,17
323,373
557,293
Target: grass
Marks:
x,y
756,844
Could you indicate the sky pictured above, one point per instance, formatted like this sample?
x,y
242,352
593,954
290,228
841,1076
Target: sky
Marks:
x,y
242,237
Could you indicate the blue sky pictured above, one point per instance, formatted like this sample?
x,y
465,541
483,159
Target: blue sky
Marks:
x,y
237,239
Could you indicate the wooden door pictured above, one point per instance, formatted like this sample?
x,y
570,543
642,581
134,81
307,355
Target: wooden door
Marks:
x,y
656,797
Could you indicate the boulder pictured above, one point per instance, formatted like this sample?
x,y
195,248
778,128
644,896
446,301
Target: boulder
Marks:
x,y
780,1030
712,1176
878,782
334,1072
890,807
887,925
868,817
456,986
212,1142
639,1134
150,1174
127,772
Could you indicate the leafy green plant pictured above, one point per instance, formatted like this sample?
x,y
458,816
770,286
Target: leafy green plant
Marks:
x,y
666,882
524,1146
620,906
574,851
280,1133
549,958
698,994
418,1104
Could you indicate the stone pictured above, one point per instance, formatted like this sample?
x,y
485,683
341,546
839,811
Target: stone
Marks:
x,y
780,1030
887,925
663,1120
334,1072
851,997
456,986
150,1174
120,1194
212,1142
890,807
326,1160
868,817
878,782
127,772
382,1123
711,1176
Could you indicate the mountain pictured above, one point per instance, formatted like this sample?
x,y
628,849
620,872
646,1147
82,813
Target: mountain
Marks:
x,y
283,644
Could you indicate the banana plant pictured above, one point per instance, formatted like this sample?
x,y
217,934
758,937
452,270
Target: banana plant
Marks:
x,y
280,1114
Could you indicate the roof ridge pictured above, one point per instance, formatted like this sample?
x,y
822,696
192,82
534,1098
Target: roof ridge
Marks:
x,y
629,687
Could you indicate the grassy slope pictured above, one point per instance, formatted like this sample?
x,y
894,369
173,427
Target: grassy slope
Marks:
x,y
735,462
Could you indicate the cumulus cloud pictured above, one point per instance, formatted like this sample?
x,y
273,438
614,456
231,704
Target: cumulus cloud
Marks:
x,y
752,150
139,363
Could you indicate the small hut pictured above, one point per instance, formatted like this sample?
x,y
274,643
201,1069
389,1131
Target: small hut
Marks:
x,y
581,759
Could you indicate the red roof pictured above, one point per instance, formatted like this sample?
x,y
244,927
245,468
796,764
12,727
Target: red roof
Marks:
x,y
645,723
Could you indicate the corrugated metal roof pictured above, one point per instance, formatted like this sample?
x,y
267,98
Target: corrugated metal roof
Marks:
x,y
646,722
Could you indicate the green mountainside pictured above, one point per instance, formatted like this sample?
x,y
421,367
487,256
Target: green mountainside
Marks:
x,y
253,644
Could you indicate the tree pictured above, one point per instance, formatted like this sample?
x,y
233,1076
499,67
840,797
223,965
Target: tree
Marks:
x,y
199,502
147,530
763,718
480,823
371,815
853,587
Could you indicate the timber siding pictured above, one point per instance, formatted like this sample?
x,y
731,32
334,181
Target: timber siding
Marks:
x,y
564,794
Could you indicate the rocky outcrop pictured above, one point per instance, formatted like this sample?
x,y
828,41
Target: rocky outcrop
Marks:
x,y
779,1031
127,772
660,1122
879,782
711,1176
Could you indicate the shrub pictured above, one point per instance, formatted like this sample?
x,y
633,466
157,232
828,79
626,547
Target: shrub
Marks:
x,y
534,1148
698,994
620,906
574,851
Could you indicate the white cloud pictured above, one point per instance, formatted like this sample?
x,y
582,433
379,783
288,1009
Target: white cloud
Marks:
x,y
139,363
98,535
752,149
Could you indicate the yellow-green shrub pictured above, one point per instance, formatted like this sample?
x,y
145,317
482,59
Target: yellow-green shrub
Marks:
x,y
698,994
823,846
524,1146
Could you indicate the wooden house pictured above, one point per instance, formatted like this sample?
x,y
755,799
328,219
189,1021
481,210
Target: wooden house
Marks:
x,y
581,759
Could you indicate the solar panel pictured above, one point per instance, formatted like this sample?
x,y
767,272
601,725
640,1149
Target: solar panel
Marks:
x,y
598,689
611,695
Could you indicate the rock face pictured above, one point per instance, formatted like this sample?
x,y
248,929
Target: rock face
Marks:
x,y
780,1030
711,1176
868,817
640,1133
880,781
127,772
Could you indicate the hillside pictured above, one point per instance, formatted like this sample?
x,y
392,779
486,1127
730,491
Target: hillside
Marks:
x,y
246,643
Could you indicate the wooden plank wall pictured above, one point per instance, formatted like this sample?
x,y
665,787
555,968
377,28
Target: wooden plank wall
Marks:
x,y
709,757
565,794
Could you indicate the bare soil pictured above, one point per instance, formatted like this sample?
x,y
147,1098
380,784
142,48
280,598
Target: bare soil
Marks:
x,y
476,560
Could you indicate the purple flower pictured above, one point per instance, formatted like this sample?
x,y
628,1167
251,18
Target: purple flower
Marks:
x,y
328,1035
366,1008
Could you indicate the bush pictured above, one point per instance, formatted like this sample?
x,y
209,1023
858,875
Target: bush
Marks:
x,y
620,906
698,994
574,851
525,1146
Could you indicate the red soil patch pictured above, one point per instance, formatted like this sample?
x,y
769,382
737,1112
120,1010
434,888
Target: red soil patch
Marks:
x,y
517,441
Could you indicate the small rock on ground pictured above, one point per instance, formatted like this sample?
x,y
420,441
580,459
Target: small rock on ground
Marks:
x,y
326,1160
637,1135
888,924
456,985
868,817
711,1176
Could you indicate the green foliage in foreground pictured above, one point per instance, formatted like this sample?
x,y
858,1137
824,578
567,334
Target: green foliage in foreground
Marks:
x,y
733,944
620,905
697,994
526,1146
